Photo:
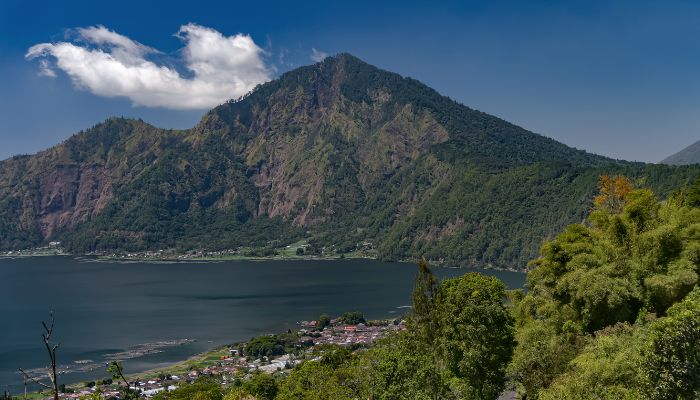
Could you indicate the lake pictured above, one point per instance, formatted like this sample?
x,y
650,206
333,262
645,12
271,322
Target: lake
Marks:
x,y
165,312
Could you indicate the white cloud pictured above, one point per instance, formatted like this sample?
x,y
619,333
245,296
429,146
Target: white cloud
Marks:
x,y
45,69
112,65
317,55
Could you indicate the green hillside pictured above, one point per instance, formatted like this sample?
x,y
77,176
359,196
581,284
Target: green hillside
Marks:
x,y
340,153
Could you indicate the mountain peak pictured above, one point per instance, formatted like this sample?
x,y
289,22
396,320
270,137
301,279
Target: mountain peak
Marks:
x,y
345,57
337,153
320,93
689,155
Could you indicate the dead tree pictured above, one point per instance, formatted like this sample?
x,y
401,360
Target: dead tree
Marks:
x,y
51,369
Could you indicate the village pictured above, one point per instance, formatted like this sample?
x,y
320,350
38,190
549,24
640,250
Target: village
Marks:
x,y
278,354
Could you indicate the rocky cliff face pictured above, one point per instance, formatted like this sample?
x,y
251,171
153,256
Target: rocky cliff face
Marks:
x,y
305,136
339,153
49,194
64,186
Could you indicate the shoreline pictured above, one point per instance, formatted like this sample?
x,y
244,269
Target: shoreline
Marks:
x,y
210,350
230,359
183,258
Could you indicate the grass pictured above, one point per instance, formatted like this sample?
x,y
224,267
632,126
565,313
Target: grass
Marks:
x,y
291,250
198,361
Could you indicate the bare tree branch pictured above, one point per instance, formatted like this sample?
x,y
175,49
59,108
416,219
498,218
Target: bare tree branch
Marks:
x,y
51,350
38,382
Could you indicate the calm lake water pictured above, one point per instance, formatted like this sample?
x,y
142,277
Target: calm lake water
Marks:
x,y
104,308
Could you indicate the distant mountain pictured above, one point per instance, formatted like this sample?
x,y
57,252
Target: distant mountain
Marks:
x,y
339,153
689,155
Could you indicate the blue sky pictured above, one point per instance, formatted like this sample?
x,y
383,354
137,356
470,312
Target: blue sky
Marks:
x,y
618,78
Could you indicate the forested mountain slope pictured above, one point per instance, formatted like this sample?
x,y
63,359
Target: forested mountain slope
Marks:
x,y
340,153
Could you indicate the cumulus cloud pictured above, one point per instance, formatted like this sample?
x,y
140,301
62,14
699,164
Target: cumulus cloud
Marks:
x,y
112,65
317,55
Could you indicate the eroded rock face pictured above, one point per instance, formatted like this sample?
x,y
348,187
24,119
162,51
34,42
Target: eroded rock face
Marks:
x,y
292,171
58,196
72,193
68,184
305,137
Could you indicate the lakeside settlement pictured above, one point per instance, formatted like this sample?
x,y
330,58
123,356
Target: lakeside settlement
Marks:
x,y
268,354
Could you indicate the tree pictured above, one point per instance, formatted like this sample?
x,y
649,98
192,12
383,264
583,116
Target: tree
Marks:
x,y
238,393
115,368
631,260
475,338
97,395
613,191
51,369
323,321
262,386
688,195
671,356
202,389
313,380
652,359
541,355
457,345
267,346
353,318
423,318
423,324
607,368
334,355
397,368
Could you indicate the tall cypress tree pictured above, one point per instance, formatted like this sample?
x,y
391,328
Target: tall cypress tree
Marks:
x,y
423,318
424,322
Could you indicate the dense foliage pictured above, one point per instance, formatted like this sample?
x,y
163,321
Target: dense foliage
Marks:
x,y
201,389
612,312
268,346
353,318
608,312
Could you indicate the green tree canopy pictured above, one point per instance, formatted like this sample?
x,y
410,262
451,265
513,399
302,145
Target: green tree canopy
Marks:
x,y
671,355
475,340
633,258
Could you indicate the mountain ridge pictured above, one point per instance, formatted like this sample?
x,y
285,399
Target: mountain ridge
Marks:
x,y
337,153
689,155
